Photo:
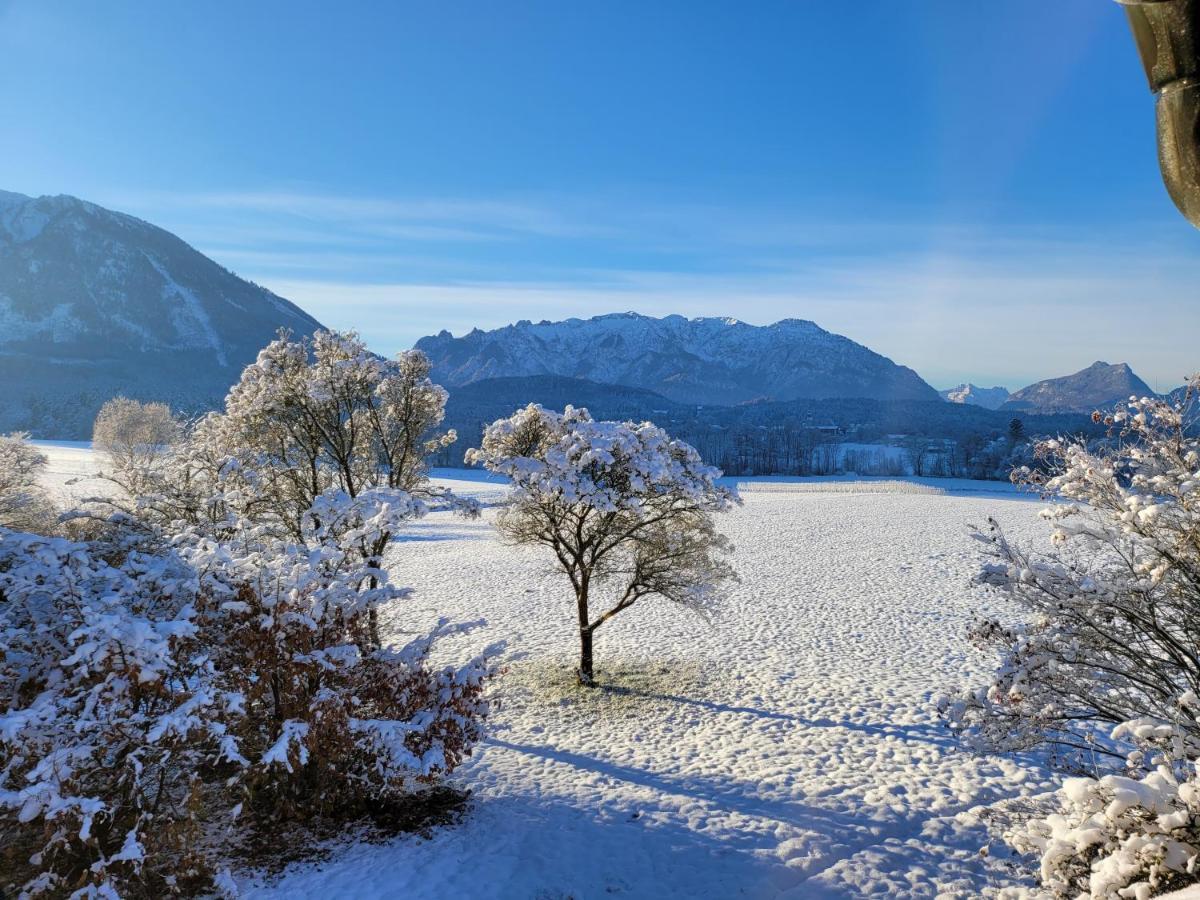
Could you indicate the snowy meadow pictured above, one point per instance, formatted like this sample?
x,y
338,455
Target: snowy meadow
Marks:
x,y
792,748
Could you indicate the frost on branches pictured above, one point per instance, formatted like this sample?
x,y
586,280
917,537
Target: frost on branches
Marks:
x,y
1106,668
307,417
137,439
626,510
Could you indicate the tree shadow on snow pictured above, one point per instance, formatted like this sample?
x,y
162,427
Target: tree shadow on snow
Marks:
x,y
711,705
724,794
937,735
827,837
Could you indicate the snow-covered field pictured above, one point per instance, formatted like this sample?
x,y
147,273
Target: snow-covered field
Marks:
x,y
71,472
789,750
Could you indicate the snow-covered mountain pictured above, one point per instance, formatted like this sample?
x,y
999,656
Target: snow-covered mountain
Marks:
x,y
1099,386
95,302
700,361
988,398
1180,395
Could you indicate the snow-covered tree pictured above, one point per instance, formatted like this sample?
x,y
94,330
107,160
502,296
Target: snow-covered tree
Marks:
x,y
326,413
136,438
626,511
24,504
307,418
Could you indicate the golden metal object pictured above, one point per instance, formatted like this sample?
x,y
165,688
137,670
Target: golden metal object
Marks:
x,y
1167,33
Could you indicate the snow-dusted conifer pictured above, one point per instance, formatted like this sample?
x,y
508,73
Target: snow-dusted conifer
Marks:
x,y
626,511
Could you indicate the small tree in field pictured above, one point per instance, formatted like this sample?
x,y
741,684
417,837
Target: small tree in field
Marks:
x,y
626,510
137,438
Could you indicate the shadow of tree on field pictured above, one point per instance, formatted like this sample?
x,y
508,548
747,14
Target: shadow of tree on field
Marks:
x,y
723,793
937,735
705,704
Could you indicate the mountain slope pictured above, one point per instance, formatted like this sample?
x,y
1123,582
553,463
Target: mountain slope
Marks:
x,y
95,302
700,361
1099,386
988,398
606,401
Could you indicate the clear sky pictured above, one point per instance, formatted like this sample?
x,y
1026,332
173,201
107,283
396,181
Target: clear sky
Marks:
x,y
967,186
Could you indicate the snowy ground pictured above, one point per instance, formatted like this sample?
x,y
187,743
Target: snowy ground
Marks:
x,y
791,750
71,471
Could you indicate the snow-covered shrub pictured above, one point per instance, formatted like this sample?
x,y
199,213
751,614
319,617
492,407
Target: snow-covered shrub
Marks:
x,y
334,721
210,658
108,715
151,695
1114,608
1123,836
23,503
626,510
1106,667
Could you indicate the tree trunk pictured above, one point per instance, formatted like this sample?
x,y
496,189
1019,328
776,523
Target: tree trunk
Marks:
x,y
586,676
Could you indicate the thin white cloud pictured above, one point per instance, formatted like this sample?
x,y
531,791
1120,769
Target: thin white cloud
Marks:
x,y
426,218
995,303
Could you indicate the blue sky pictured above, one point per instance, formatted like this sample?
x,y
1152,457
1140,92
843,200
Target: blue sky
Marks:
x,y
967,187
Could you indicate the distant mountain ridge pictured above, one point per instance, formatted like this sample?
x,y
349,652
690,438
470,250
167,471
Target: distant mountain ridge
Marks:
x,y
699,361
95,302
988,398
1099,386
